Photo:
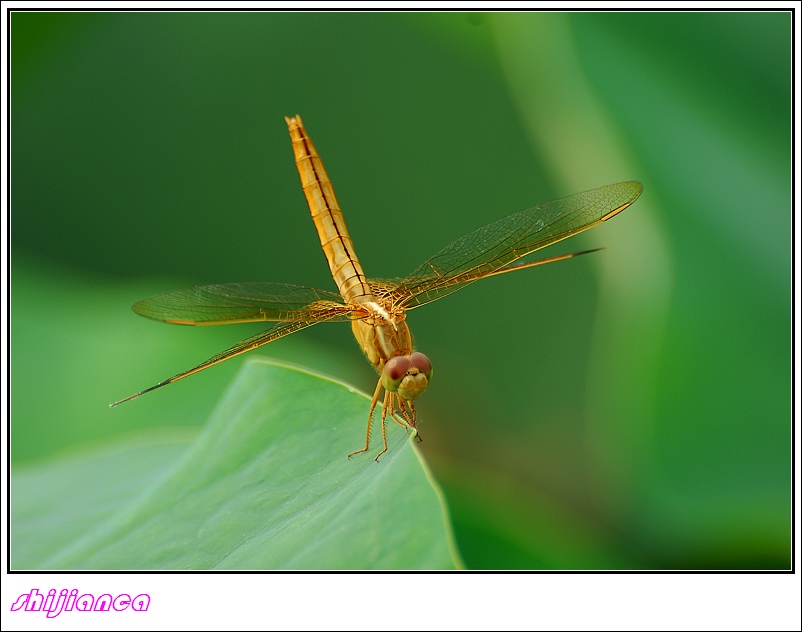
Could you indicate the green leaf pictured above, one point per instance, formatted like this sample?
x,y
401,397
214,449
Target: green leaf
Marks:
x,y
266,485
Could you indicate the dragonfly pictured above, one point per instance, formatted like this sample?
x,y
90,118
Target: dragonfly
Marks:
x,y
376,309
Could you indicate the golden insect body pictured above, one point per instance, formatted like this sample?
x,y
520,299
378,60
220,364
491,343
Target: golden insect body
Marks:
x,y
377,309
379,326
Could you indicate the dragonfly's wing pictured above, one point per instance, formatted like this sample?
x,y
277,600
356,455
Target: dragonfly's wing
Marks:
x,y
243,303
280,330
490,249
295,306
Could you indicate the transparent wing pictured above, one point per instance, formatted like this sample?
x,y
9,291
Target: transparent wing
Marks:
x,y
280,330
491,249
242,303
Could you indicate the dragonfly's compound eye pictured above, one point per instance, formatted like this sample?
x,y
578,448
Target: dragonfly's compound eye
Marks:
x,y
417,379
422,363
394,372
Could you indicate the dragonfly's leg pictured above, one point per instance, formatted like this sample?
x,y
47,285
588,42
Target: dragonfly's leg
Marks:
x,y
389,403
403,425
395,419
410,425
373,403
415,421
405,412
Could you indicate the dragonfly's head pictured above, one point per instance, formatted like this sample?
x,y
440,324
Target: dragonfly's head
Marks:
x,y
407,375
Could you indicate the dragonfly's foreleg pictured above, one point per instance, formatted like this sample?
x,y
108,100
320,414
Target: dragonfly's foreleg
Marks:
x,y
373,403
407,413
411,416
389,404
405,426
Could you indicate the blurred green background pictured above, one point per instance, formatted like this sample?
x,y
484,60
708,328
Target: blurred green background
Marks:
x,y
628,409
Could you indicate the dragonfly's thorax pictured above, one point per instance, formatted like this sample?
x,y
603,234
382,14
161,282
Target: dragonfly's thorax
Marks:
x,y
382,334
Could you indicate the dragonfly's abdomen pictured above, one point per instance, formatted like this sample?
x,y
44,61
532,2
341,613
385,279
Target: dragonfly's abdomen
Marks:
x,y
329,222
